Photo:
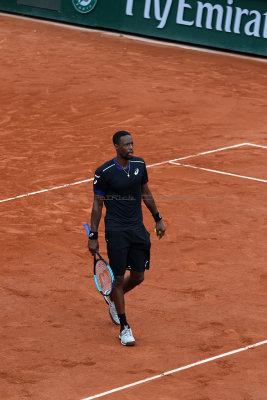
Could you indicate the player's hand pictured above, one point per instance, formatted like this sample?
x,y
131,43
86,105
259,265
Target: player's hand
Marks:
x,y
160,229
93,246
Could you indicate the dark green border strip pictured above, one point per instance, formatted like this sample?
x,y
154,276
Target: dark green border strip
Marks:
x,y
229,25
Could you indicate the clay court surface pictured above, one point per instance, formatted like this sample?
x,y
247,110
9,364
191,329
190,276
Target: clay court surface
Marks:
x,y
63,94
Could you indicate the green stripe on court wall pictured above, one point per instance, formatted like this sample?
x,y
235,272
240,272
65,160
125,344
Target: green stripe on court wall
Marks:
x,y
45,4
237,25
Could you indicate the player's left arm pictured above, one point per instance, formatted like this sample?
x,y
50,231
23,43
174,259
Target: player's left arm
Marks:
x,y
151,205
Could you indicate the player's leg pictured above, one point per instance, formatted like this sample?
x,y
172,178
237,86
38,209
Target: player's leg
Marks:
x,y
118,246
138,259
117,253
134,279
118,294
126,335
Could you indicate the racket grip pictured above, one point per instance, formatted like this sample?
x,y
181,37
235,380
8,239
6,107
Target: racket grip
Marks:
x,y
87,228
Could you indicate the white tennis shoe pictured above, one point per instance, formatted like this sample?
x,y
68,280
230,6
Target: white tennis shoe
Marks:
x,y
126,336
112,310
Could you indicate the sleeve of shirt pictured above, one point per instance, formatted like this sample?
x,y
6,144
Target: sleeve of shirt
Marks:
x,y
145,176
99,185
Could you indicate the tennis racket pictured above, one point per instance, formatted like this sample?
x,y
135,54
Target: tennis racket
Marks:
x,y
103,275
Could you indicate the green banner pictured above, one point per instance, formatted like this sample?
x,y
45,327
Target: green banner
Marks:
x,y
237,25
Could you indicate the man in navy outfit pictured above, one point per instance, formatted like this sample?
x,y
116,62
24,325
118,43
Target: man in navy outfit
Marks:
x,y
121,184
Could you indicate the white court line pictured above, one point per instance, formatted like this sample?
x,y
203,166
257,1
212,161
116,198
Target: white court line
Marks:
x,y
212,151
148,166
173,371
46,190
218,172
257,145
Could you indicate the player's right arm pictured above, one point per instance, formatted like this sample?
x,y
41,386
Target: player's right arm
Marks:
x,y
96,214
99,188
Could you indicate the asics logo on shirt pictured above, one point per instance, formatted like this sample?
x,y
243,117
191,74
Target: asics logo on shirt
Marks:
x,y
136,171
95,181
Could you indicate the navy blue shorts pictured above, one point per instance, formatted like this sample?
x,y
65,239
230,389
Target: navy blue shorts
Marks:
x,y
128,250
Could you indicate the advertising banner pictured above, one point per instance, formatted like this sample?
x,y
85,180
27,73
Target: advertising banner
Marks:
x,y
237,25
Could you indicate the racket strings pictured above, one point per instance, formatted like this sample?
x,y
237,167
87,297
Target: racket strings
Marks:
x,y
103,276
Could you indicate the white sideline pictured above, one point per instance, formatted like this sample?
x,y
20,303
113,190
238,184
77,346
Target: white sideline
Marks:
x,y
218,172
173,371
257,145
148,166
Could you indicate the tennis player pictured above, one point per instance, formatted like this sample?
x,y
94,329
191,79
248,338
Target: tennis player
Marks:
x,y
121,184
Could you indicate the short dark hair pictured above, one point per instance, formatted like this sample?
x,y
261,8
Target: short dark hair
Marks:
x,y
118,135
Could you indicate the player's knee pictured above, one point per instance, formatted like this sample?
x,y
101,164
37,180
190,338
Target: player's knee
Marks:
x,y
139,278
119,281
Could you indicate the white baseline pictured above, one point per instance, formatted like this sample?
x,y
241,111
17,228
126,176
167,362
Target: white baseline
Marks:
x,y
173,371
173,161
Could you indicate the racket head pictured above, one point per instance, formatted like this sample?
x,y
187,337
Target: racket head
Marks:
x,y
103,275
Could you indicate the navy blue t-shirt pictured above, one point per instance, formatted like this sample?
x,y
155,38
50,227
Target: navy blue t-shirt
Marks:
x,y
121,189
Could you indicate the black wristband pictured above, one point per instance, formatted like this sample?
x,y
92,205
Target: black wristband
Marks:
x,y
93,235
157,217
